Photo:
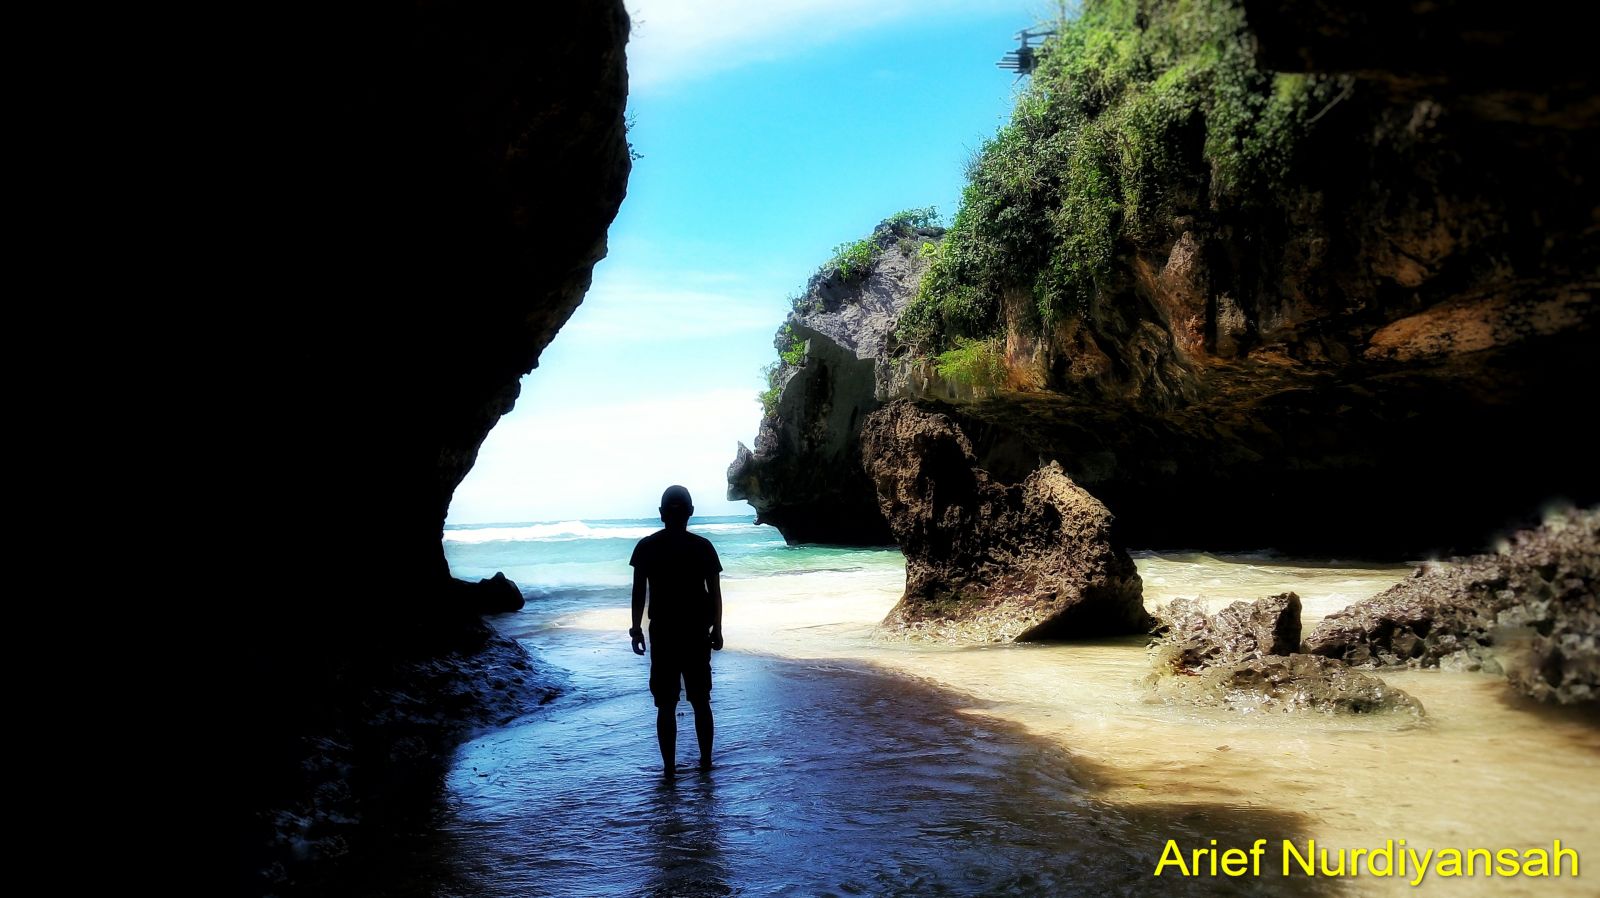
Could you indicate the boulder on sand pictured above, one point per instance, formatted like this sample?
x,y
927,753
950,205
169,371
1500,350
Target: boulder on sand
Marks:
x,y
987,561
1532,610
1243,658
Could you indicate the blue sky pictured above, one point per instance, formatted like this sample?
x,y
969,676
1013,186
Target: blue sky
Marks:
x,y
771,132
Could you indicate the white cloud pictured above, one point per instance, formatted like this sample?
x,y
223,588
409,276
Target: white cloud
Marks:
x,y
664,305
677,40
610,460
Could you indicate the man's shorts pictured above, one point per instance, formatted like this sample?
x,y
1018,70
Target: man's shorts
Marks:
x,y
676,657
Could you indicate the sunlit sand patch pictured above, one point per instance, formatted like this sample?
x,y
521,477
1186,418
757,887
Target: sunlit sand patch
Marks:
x,y
1484,770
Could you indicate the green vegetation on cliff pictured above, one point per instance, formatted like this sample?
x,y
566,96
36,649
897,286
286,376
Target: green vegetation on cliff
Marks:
x,y
979,364
853,259
1139,110
851,262
791,353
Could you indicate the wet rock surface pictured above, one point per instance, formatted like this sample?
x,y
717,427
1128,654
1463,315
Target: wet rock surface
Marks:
x,y
1243,630
491,595
1244,658
989,561
370,758
1294,683
1530,610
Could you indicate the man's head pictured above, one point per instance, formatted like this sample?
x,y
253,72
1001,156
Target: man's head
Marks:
x,y
676,506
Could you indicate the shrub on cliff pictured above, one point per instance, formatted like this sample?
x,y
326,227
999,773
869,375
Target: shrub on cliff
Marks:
x,y
1137,108
791,354
851,261
980,364
911,219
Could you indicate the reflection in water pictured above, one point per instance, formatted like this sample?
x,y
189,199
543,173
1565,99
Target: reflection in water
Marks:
x,y
831,780
849,766
687,836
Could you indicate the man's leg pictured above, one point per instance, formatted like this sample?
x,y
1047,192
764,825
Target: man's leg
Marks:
x,y
667,735
697,686
665,677
703,729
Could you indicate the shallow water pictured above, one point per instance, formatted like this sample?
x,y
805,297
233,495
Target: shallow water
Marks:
x,y
849,765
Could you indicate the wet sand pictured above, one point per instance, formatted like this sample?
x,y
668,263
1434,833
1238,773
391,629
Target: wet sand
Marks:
x,y
848,765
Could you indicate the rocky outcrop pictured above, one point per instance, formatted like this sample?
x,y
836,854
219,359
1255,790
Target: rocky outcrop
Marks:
x,y
988,561
1360,344
1532,610
1287,684
1416,296
367,773
455,168
491,595
1193,640
805,476
1243,658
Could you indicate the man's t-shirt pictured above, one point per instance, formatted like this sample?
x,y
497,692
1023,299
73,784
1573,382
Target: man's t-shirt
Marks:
x,y
677,564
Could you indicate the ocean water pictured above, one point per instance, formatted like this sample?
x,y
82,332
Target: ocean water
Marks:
x,y
571,565
851,765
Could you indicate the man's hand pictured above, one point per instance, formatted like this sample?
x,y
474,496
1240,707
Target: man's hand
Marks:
x,y
637,635
716,638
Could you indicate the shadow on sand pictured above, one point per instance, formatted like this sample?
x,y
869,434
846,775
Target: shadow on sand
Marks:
x,y
831,780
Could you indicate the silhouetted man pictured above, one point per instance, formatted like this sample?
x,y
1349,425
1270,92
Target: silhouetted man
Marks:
x,y
679,570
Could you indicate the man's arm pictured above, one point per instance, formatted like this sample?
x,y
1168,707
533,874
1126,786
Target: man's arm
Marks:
x,y
635,633
714,587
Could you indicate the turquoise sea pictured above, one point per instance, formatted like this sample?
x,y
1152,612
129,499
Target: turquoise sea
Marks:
x,y
567,564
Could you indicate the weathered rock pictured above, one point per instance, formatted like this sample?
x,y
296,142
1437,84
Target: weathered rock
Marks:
x,y
1395,319
463,161
1242,631
1531,609
805,475
416,213
1288,684
1243,657
989,561
491,595
384,752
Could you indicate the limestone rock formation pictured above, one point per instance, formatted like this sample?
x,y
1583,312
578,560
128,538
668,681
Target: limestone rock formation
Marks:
x,y
988,561
1392,322
491,595
1293,683
1532,609
805,476
1244,658
415,213
460,164
1241,631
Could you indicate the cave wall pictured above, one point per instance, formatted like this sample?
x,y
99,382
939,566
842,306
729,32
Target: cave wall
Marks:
x,y
413,210
446,175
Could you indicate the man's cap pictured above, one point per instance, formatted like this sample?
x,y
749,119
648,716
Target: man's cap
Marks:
x,y
676,495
